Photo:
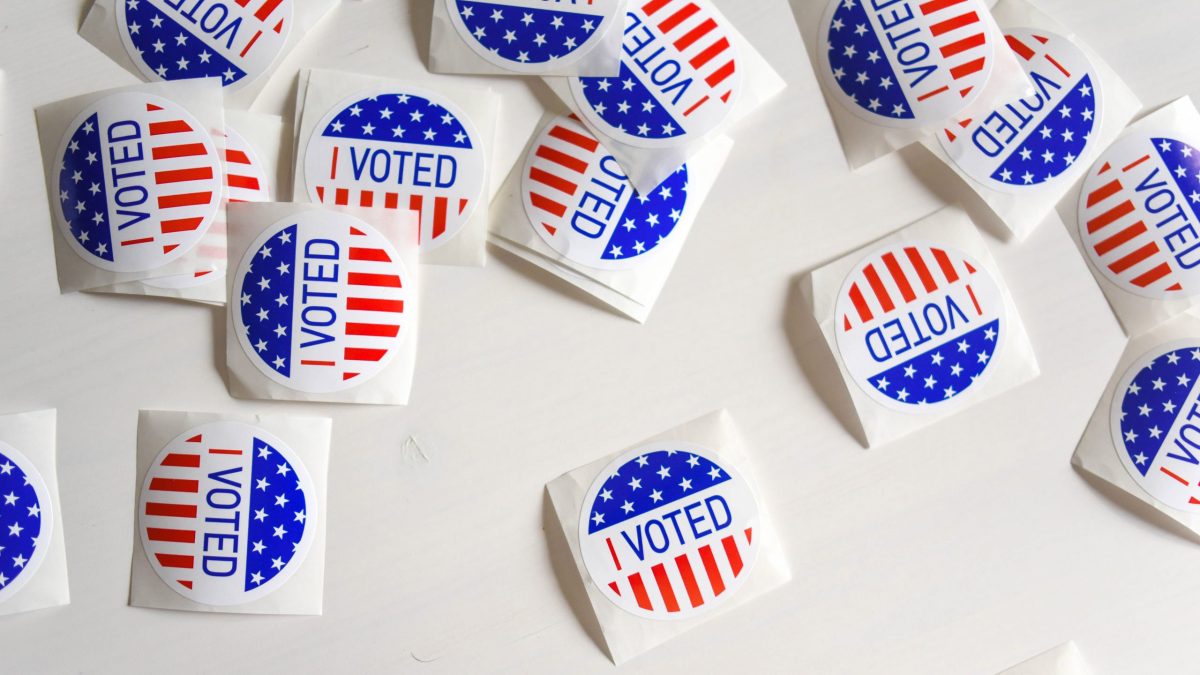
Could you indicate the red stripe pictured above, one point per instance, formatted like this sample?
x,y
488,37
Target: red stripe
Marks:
x,y
372,329
898,276
943,262
547,204
359,354
1123,237
562,159
664,587
930,94
365,279
937,5
266,9
1133,164
236,157
182,150
1058,65
371,254
183,175
134,242
639,591
918,263
439,216
974,300
171,510
731,552
171,560
1019,47
654,5
174,485
222,451
575,138
177,459
169,127
695,105
878,288
257,34
613,552
860,303
1158,272
710,568
1110,216
554,181
1134,258
955,23
695,34
689,580
165,534
180,225
373,305
341,197
366,199
721,74
1103,192
307,362
333,164
959,72
671,22
244,182
965,44
1172,474
391,201
711,52
185,199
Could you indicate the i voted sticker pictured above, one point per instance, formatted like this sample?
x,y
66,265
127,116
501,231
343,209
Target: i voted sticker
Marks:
x,y
532,36
906,63
580,202
320,302
1037,139
1139,212
1155,421
227,513
139,182
26,521
918,325
408,149
234,40
669,530
679,78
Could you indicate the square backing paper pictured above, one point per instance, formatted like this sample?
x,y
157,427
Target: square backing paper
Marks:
x,y
1062,660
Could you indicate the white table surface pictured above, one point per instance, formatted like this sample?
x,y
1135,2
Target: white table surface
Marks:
x,y
962,549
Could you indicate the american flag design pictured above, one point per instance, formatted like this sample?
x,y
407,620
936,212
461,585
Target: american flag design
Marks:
x,y
1037,139
580,202
1139,214
321,301
918,325
227,513
907,63
679,78
669,530
140,182
405,149
533,36
1154,424
234,40
26,521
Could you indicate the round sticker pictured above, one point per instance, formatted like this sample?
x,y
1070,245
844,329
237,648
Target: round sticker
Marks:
x,y
26,521
668,530
139,182
390,149
918,325
532,36
235,41
1037,139
679,76
580,202
1139,215
902,63
245,181
1156,424
321,302
227,513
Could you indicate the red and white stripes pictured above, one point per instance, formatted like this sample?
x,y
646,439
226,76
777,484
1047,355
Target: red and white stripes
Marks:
x,y
899,276
688,580
700,41
960,36
185,174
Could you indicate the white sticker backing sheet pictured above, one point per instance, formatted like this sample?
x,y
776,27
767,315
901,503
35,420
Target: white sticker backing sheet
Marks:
x,y
1024,156
237,43
230,513
33,558
668,534
921,325
1062,660
323,305
569,208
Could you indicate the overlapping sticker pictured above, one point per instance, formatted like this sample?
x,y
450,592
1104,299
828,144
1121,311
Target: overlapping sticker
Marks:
x,y
406,149
904,63
320,302
532,36
580,202
668,531
227,513
918,325
1155,421
234,40
139,182
26,521
680,76
1037,139
1139,215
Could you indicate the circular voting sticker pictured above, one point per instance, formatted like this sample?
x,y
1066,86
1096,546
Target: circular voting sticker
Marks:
x,y
918,326
320,300
668,530
234,40
1037,139
227,513
679,78
26,521
1156,424
903,63
139,182
1139,213
532,36
580,202
392,149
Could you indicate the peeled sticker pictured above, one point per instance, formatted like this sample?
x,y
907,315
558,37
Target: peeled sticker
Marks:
x,y
1155,421
1037,139
234,40
227,513
139,182
532,36
668,531
405,149
320,302
26,521
580,202
679,76
902,63
1138,215
919,325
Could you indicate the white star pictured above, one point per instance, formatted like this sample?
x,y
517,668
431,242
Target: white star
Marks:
x,y
627,507
685,484
635,483
259,547
256,578
279,532
1140,458
606,495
